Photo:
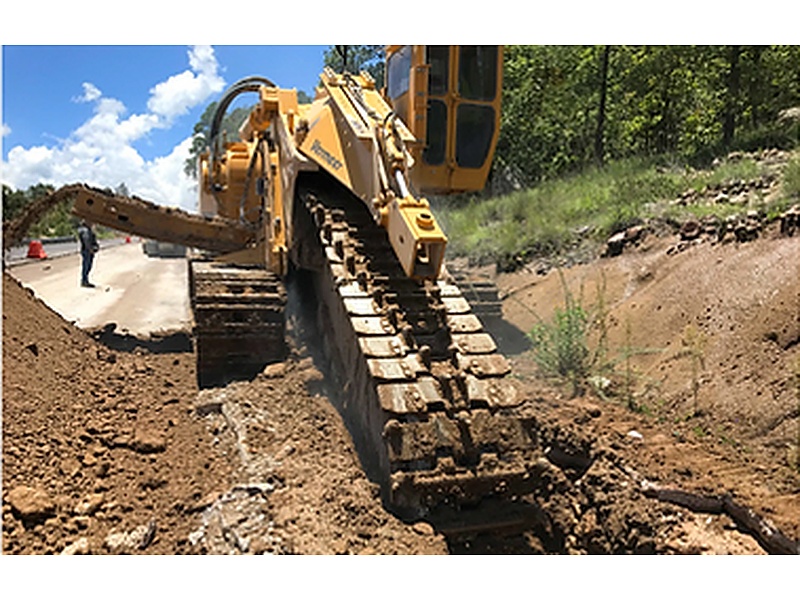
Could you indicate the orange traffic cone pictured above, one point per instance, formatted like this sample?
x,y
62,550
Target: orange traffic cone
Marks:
x,y
36,250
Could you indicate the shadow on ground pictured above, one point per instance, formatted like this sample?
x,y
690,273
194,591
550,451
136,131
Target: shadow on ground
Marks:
x,y
510,340
161,343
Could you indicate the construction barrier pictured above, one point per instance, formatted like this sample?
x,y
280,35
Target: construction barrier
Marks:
x,y
36,249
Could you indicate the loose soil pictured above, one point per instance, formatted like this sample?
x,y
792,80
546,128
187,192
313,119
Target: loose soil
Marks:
x,y
117,451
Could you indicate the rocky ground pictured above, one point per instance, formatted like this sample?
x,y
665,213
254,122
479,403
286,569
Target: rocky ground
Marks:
x,y
109,447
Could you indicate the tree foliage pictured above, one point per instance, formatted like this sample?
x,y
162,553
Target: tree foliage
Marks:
x,y
690,101
13,202
57,222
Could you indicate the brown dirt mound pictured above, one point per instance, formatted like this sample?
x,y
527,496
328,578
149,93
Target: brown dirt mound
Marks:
x,y
115,452
110,438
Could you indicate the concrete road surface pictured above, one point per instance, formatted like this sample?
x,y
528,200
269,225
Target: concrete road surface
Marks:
x,y
140,294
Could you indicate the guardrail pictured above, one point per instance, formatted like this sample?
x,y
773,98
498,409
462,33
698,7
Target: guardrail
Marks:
x,y
50,240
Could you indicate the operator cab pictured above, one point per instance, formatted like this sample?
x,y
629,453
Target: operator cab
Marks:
x,y
449,96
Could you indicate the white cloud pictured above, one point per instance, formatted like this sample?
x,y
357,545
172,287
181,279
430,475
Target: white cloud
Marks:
x,y
202,60
168,178
100,151
4,130
36,163
176,95
90,93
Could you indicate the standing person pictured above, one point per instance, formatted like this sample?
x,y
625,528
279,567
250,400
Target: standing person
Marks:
x,y
89,247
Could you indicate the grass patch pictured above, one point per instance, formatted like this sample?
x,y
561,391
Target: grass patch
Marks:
x,y
726,172
561,347
545,219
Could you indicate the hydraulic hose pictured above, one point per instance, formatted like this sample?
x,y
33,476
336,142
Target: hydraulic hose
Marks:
x,y
247,84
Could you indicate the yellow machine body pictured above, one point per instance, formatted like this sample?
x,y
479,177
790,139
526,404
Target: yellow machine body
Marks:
x,y
433,129
429,395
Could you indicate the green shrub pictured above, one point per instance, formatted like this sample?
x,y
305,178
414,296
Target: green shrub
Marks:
x,y
561,347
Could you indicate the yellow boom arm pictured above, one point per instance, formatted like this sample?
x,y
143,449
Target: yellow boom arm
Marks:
x,y
354,135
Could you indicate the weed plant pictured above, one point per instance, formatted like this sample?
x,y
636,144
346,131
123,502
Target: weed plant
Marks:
x,y
693,343
573,347
561,347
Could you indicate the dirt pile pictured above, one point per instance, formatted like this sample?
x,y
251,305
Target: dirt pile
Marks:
x,y
107,441
116,452
704,343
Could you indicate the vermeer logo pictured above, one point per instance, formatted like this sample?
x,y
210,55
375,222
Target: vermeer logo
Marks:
x,y
329,158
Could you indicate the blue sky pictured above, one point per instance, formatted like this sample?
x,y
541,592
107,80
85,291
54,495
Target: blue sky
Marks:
x,y
110,114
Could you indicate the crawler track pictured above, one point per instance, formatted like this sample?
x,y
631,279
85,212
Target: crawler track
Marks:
x,y
425,391
239,320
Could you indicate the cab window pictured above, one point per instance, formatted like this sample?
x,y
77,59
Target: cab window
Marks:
x,y
438,57
474,132
436,135
477,72
399,69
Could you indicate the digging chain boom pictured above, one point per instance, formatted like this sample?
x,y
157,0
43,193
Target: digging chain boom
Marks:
x,y
136,216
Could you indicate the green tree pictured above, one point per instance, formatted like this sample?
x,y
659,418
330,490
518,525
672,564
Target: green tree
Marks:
x,y
551,97
732,97
599,138
566,107
13,202
56,222
199,139
654,95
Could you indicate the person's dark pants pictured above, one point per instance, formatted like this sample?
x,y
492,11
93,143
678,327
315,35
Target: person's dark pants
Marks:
x,y
86,265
